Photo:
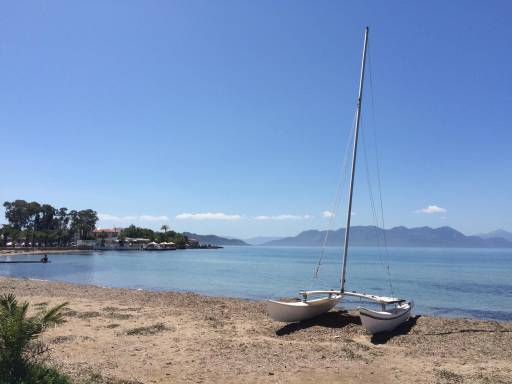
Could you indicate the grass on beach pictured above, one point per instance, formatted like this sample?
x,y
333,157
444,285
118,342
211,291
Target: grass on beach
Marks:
x,y
148,330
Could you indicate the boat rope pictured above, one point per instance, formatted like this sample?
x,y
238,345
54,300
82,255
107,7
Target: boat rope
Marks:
x,y
335,203
374,213
339,189
379,184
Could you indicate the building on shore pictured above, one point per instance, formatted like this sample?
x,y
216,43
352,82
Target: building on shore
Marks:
x,y
111,239
135,243
107,237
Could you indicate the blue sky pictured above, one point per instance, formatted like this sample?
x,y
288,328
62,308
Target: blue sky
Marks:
x,y
232,117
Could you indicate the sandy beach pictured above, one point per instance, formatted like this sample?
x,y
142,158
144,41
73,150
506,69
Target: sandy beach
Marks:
x,y
129,336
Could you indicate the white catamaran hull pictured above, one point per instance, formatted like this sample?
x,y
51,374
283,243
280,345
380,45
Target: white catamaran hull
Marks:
x,y
384,321
300,310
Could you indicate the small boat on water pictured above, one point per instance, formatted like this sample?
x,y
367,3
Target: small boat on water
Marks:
x,y
373,321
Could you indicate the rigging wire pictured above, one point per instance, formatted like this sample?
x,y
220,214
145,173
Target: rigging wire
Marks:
x,y
339,189
379,184
374,214
335,204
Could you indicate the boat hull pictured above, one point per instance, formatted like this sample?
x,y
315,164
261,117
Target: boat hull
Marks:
x,y
384,321
300,311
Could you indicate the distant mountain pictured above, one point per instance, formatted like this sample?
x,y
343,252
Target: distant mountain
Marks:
x,y
213,239
259,240
395,237
500,233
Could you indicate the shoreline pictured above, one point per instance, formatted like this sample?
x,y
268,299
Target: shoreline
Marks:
x,y
254,300
53,251
140,336
39,251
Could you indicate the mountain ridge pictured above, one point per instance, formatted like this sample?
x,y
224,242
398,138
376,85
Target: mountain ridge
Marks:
x,y
214,239
259,240
499,233
394,237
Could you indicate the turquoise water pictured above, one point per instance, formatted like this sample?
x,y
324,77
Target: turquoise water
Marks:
x,y
449,282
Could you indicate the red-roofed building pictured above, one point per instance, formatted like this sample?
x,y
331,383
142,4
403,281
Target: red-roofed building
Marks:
x,y
107,237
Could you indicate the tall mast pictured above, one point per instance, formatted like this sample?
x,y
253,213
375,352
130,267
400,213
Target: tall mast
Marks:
x,y
354,156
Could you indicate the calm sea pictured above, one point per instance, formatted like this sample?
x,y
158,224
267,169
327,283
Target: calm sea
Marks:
x,y
473,283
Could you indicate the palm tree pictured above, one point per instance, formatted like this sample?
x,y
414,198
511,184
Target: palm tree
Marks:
x,y
164,228
18,334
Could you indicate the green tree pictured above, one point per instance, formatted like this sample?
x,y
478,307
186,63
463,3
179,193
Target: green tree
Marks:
x,y
48,220
83,222
180,240
34,222
19,333
4,234
164,228
17,213
137,232
9,232
62,218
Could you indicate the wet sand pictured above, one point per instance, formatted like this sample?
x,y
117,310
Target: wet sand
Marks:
x,y
130,336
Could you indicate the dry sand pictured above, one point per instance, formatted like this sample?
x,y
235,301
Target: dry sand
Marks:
x,y
129,336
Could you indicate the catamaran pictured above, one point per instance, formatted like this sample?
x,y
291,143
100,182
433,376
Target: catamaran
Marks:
x,y
315,303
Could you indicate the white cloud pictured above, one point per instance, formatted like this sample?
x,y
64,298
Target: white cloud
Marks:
x,y
117,219
328,214
108,217
207,216
153,218
432,209
284,217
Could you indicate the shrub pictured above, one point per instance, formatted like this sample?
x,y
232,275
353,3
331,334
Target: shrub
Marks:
x,y
38,373
20,349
